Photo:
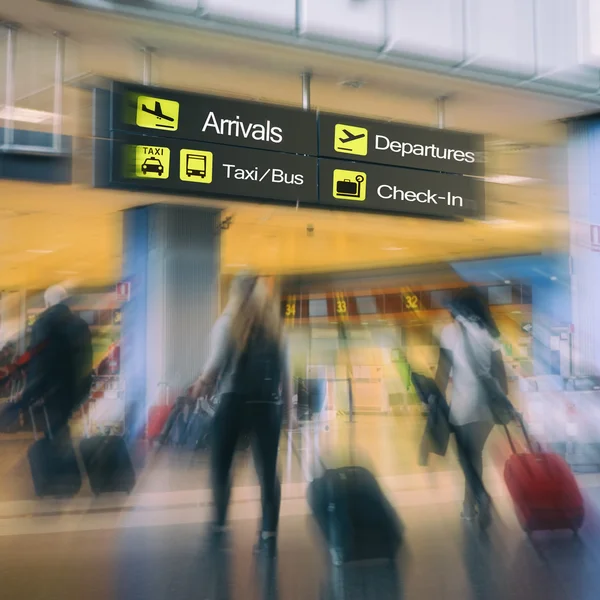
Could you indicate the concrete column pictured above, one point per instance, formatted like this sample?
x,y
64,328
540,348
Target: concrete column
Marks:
x,y
172,259
584,212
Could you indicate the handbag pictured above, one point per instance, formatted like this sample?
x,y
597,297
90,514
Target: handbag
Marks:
x,y
437,429
499,404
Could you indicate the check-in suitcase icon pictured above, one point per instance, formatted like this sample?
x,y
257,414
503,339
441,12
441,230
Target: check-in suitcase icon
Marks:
x,y
352,189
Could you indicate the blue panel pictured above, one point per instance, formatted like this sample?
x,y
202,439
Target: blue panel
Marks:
x,y
551,295
134,318
593,171
37,168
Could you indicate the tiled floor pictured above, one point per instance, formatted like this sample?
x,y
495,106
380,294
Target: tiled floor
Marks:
x,y
151,545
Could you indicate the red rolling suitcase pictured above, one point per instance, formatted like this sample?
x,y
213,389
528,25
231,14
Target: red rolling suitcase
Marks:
x,y
545,492
159,414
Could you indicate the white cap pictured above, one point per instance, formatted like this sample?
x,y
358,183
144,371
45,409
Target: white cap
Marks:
x,y
54,295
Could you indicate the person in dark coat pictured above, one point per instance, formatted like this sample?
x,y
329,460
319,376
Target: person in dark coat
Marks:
x,y
59,373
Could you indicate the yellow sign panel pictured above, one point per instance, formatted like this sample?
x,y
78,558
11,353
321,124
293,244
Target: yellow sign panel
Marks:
x,y
152,162
411,301
349,185
341,306
351,140
157,113
196,166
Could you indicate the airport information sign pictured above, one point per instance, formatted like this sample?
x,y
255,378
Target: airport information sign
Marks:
x,y
203,118
400,145
362,186
194,144
213,170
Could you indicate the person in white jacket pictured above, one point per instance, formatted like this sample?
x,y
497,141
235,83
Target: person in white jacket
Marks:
x,y
468,346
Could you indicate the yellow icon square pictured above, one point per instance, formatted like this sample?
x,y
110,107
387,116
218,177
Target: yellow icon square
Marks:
x,y
152,162
351,140
157,113
196,166
349,185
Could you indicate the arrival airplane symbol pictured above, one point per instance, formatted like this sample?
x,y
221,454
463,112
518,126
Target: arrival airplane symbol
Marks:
x,y
351,137
157,112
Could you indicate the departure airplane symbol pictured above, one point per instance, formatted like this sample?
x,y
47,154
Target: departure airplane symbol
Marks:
x,y
157,112
350,137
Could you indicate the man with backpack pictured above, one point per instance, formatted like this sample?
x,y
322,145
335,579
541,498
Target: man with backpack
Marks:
x,y
60,372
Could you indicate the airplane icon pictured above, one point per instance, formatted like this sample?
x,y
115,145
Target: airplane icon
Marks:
x,y
351,137
158,113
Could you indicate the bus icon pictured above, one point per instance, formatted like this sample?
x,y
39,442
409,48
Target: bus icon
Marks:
x,y
196,166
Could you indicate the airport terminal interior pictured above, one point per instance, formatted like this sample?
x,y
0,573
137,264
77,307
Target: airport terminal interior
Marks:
x,y
364,288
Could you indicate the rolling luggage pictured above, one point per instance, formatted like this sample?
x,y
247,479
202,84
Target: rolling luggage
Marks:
x,y
544,491
158,415
197,434
355,517
352,512
175,427
157,418
107,461
53,464
108,464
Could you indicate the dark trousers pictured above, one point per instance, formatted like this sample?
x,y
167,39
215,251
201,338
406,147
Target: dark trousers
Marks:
x,y
234,418
470,441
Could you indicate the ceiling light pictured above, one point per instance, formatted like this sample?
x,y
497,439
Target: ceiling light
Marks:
x,y
510,180
553,278
25,115
392,248
498,222
507,281
66,272
34,251
236,266
353,83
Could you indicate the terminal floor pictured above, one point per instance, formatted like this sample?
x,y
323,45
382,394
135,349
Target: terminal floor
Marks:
x,y
151,545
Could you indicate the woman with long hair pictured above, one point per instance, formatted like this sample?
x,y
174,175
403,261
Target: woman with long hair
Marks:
x,y
248,372
468,347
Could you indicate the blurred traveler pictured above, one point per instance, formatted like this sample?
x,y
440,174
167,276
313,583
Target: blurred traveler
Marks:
x,y
7,356
60,373
469,347
248,374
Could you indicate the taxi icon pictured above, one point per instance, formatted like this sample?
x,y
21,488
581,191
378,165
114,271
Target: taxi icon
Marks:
x,y
152,165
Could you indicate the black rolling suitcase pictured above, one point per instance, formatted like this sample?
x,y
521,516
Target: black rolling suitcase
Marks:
x,y
355,517
53,464
351,510
108,464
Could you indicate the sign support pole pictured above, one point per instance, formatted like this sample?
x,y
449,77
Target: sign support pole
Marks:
x,y
440,104
147,68
306,77
9,99
59,78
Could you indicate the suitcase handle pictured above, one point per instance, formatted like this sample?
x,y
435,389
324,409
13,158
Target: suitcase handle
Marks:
x,y
528,441
34,428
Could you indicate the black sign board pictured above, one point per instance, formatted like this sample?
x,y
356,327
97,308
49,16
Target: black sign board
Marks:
x,y
400,145
196,117
363,187
156,163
